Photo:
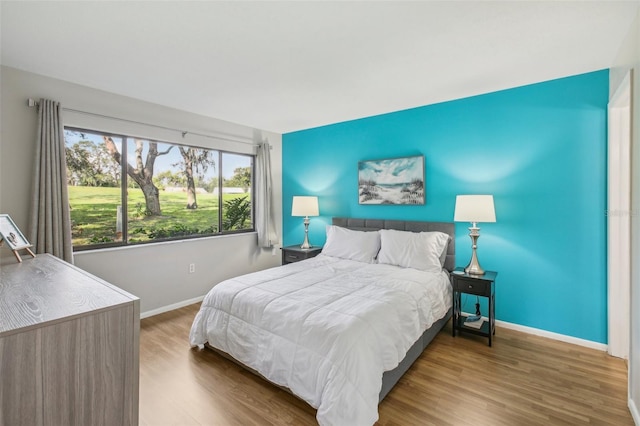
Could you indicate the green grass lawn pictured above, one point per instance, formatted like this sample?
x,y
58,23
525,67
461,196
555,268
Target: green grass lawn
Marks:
x,y
94,210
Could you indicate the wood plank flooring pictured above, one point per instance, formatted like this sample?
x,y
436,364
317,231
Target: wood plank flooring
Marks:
x,y
521,380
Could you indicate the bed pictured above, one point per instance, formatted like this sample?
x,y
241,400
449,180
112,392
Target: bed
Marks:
x,y
340,329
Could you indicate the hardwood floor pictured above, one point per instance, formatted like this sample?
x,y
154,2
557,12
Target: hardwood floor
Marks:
x,y
521,380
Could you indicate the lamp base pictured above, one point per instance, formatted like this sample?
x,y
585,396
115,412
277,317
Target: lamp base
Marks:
x,y
305,245
474,268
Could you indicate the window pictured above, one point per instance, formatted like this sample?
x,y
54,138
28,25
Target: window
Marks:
x,y
126,190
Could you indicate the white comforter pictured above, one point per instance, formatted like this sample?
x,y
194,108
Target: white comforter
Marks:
x,y
325,328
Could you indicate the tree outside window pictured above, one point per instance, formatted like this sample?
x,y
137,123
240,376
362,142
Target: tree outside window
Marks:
x,y
127,190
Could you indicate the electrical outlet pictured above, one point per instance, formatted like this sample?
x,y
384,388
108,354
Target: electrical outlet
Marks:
x,y
192,268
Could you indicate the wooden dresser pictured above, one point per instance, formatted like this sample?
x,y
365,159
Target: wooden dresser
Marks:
x,y
69,345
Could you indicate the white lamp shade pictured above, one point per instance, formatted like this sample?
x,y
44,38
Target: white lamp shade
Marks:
x,y
474,208
304,206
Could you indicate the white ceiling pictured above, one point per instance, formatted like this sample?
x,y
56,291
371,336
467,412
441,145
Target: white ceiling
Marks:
x,y
285,66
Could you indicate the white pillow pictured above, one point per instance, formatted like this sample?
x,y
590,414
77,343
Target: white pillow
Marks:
x,y
418,250
354,245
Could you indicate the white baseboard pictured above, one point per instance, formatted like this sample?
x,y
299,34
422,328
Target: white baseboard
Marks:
x,y
171,307
555,336
634,411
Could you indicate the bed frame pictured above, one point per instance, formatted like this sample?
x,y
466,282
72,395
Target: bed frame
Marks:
x,y
391,377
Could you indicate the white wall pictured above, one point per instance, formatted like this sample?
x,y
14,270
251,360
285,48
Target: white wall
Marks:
x,y
629,58
157,273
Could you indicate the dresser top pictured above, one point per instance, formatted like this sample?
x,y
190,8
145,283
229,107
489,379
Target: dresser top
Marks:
x,y
46,289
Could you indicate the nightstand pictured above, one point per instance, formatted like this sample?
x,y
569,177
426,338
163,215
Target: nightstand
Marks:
x,y
292,254
477,285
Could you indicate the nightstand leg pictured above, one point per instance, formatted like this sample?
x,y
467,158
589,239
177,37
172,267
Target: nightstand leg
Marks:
x,y
491,328
453,307
456,312
493,315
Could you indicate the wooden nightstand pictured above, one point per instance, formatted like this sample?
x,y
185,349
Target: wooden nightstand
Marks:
x,y
478,285
292,254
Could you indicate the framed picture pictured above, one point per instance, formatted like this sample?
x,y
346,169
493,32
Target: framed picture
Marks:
x,y
391,181
11,235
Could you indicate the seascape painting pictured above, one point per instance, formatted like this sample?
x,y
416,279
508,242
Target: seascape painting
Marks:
x,y
391,181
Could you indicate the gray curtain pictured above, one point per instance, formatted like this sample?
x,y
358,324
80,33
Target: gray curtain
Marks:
x,y
265,221
50,222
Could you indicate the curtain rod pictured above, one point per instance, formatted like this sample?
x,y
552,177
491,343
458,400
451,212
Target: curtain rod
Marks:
x,y
221,136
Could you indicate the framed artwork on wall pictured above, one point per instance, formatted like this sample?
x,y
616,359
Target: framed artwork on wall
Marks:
x,y
392,181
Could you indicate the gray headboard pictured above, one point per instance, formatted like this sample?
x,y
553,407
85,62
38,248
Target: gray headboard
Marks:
x,y
404,225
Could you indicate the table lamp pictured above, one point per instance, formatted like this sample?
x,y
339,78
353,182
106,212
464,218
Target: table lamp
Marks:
x,y
474,209
305,206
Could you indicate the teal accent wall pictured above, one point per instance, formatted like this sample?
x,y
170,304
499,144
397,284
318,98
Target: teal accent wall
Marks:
x,y
540,149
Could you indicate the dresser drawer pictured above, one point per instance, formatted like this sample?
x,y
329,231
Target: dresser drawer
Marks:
x,y
292,254
472,286
290,257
